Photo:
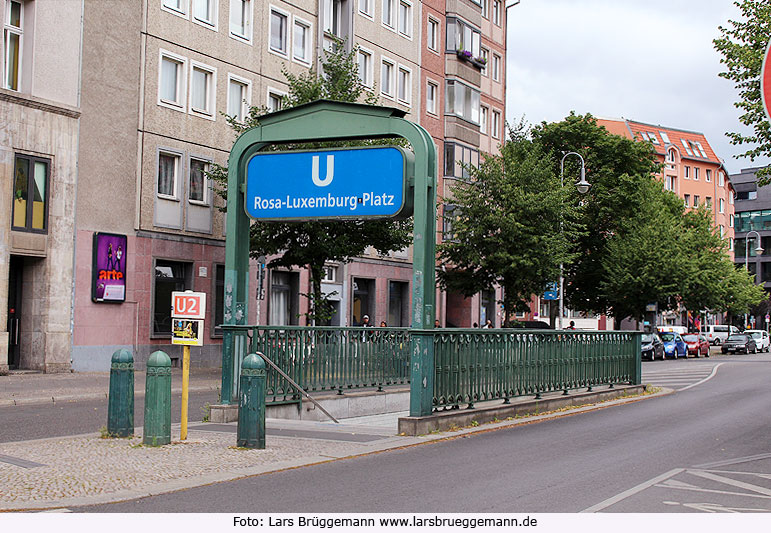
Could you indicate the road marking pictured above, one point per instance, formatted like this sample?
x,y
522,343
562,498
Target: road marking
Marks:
x,y
739,460
729,481
694,488
19,462
712,375
717,508
631,492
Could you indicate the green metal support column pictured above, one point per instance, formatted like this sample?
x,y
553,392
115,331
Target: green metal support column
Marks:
x,y
337,121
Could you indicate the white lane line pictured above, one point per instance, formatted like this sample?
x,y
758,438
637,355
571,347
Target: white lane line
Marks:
x,y
631,492
731,482
736,461
712,375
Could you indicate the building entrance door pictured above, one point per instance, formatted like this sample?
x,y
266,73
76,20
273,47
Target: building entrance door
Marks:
x,y
14,310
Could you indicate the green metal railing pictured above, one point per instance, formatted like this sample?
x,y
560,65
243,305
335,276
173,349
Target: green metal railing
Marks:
x,y
325,358
471,365
478,365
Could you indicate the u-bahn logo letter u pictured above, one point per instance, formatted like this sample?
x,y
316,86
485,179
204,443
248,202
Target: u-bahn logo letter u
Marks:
x,y
330,171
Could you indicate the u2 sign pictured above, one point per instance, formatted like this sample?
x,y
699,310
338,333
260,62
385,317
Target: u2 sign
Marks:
x,y
188,304
351,183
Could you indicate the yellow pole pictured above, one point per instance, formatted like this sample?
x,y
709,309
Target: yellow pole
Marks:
x,y
185,381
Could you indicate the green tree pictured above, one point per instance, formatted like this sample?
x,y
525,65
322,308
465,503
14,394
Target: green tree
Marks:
x,y
313,243
507,231
742,45
620,171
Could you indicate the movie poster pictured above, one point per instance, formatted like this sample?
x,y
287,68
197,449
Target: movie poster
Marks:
x,y
109,268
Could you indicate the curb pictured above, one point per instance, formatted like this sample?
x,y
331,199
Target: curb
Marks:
x,y
92,396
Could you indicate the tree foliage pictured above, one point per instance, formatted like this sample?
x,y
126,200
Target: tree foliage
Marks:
x,y
507,228
313,243
742,45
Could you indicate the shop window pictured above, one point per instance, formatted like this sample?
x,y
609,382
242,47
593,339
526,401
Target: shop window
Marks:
x,y
30,194
170,276
398,304
363,301
284,298
487,308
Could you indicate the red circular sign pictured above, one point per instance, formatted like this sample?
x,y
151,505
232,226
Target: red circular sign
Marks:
x,y
765,82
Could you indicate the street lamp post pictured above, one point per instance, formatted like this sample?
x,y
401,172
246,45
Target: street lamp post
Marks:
x,y
758,251
583,187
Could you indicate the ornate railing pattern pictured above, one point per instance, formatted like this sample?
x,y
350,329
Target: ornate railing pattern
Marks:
x,y
479,365
471,365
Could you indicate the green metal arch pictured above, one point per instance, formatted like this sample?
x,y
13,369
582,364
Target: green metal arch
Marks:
x,y
326,120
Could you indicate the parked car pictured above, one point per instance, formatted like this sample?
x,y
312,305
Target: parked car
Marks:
x,y
698,345
739,343
718,333
652,348
762,340
673,345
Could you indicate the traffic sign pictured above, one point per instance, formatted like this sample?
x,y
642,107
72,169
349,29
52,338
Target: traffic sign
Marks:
x,y
765,82
352,183
188,304
552,292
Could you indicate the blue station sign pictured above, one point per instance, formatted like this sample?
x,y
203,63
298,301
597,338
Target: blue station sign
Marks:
x,y
344,183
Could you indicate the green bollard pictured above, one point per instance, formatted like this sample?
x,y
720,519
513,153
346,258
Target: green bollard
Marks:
x,y
120,402
158,400
251,405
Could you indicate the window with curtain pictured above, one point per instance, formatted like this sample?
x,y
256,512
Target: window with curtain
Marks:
x,y
240,11
30,194
197,186
171,78
237,95
167,174
12,43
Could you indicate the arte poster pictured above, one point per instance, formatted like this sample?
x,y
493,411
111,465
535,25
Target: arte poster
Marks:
x,y
109,268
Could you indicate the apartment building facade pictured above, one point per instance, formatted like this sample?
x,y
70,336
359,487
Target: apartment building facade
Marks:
x,y
148,85
753,214
40,106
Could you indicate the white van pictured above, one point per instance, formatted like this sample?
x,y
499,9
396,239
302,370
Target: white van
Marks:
x,y
717,333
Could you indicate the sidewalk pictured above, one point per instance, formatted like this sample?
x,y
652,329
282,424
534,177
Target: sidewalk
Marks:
x,y
65,472
22,388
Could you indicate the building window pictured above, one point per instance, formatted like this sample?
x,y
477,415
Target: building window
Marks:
x,y
330,274
404,83
670,182
687,174
278,37
496,67
449,215
240,19
301,41
483,120
462,101
463,37
398,304
497,12
388,13
13,19
386,78
205,12
170,276
670,156
485,9
496,126
720,178
198,184
178,7
171,83
687,200
485,61
730,221
708,175
284,298
30,193
696,173
238,98
708,201
696,200
405,19
202,90
365,8
365,67
458,159
275,100
721,205
219,299
168,170
432,38
431,91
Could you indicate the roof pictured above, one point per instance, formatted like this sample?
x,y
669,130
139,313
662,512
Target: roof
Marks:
x,y
690,144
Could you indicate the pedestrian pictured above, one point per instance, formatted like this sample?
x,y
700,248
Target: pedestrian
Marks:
x,y
365,322
488,324
383,324
475,325
572,325
436,323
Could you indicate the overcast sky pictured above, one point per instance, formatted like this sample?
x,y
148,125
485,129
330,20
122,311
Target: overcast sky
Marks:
x,y
651,61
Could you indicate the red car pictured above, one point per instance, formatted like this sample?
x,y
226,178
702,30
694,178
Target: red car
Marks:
x,y
698,345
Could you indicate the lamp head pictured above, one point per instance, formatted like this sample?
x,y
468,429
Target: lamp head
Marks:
x,y
758,250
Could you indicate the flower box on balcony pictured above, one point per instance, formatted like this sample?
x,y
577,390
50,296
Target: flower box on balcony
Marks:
x,y
466,55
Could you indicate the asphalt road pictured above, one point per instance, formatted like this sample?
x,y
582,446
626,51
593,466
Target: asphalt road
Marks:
x,y
703,448
38,421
